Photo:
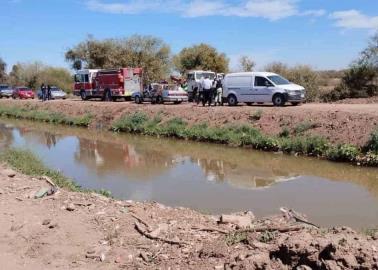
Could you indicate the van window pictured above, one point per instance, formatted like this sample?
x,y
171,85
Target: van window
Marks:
x,y
239,81
190,77
262,81
86,78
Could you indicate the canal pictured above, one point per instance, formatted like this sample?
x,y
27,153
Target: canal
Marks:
x,y
210,178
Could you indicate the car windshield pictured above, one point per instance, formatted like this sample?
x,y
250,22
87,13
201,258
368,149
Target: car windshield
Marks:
x,y
278,80
199,75
55,89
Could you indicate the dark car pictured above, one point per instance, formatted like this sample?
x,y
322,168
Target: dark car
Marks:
x,y
23,93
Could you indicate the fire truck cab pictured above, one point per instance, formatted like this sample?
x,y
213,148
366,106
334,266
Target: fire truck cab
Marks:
x,y
108,84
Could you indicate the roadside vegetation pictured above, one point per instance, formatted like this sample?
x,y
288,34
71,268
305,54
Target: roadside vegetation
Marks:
x,y
247,136
45,116
27,163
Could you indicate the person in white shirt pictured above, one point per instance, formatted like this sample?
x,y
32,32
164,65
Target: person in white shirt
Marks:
x,y
206,91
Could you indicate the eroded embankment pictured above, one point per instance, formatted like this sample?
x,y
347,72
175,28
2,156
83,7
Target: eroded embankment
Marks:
x,y
88,231
314,129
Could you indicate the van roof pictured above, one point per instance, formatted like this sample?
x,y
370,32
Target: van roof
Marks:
x,y
209,71
251,74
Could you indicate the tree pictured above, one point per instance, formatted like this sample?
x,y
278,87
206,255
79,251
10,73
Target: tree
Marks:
x,y
3,71
150,53
246,63
34,74
361,79
201,56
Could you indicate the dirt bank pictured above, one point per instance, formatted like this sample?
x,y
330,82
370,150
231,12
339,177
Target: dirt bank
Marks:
x,y
70,230
339,123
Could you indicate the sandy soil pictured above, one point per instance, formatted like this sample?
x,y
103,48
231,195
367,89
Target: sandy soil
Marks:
x,y
340,123
87,231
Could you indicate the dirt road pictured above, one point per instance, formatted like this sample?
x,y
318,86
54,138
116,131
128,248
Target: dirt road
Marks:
x,y
70,230
339,123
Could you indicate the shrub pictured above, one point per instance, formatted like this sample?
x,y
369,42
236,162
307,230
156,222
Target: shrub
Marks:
x,y
285,133
256,115
131,123
372,144
344,152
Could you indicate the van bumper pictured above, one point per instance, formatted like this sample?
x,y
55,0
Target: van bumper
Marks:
x,y
294,97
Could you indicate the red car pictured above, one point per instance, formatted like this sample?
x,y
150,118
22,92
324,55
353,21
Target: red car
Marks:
x,y
23,92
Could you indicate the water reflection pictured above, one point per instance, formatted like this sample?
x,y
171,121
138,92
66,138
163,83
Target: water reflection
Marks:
x,y
202,176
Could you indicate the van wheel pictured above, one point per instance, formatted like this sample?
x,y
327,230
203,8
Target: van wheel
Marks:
x,y
295,103
138,100
83,95
232,101
278,100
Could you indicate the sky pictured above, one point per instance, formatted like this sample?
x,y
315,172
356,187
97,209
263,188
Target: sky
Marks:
x,y
326,34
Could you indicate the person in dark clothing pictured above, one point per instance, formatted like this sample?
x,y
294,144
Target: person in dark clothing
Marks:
x,y
49,92
43,92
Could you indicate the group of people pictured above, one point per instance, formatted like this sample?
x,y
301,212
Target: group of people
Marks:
x,y
46,92
211,91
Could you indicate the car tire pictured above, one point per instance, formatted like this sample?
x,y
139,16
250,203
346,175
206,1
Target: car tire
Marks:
x,y
138,100
231,100
278,100
295,103
83,95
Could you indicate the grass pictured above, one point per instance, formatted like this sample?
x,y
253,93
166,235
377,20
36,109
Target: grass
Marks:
x,y
27,163
243,135
45,116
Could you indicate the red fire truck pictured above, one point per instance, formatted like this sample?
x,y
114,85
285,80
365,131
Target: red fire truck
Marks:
x,y
108,84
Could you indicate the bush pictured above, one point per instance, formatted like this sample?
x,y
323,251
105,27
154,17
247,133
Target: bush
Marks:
x,y
372,144
303,127
343,153
357,82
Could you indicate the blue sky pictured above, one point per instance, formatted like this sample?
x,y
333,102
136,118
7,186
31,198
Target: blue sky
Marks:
x,y
327,34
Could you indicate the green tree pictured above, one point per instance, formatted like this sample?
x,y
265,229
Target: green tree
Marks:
x,y
150,53
246,63
201,56
3,71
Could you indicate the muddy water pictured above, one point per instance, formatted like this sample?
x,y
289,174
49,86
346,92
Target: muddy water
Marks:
x,y
209,178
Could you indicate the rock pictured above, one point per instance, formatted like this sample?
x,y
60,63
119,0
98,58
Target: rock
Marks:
x,y
349,260
52,226
242,222
303,267
70,207
375,236
219,267
10,173
118,259
41,193
144,256
46,222
102,257
330,265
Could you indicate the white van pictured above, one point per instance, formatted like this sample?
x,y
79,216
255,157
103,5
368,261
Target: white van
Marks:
x,y
261,87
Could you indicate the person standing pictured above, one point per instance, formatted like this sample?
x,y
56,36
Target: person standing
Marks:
x,y
48,92
219,92
43,92
206,91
